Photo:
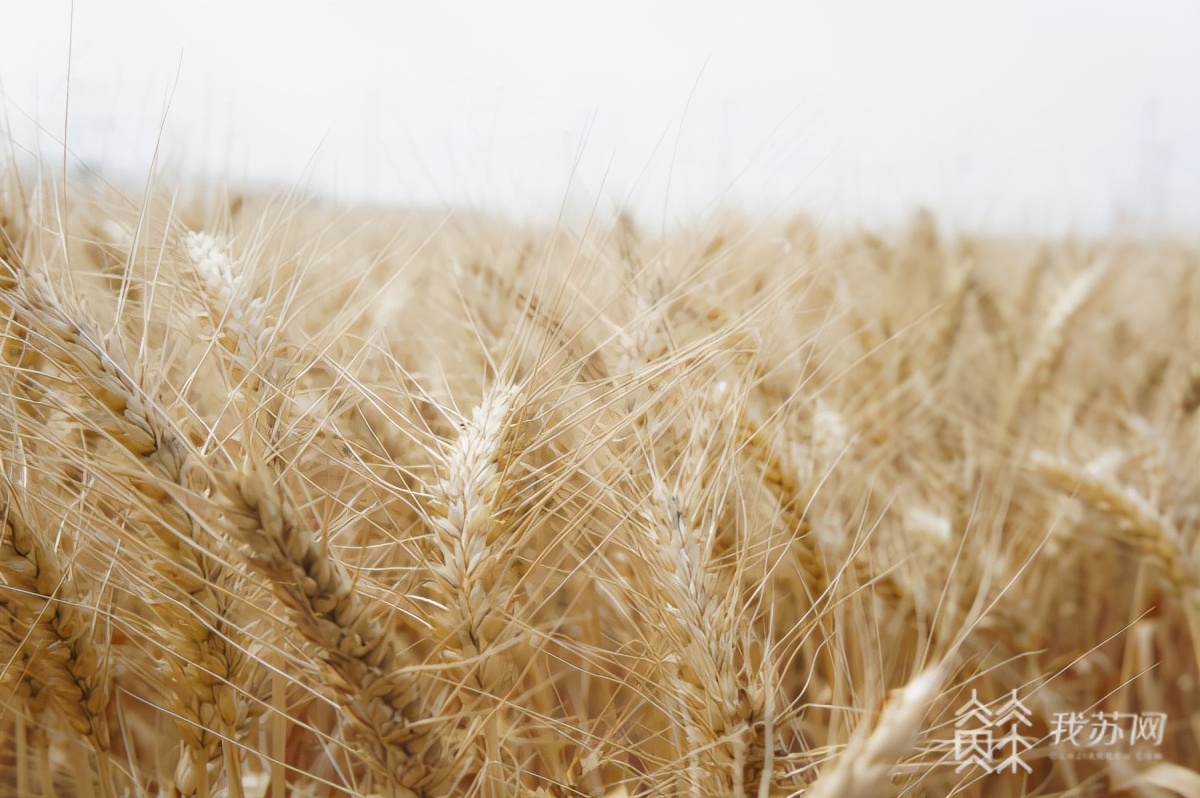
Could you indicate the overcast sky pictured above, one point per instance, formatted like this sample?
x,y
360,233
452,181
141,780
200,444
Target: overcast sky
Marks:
x,y
1040,116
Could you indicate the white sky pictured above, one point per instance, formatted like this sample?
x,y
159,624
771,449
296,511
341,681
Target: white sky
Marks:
x,y
1043,116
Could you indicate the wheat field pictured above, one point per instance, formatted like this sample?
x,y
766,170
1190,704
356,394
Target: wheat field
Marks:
x,y
309,501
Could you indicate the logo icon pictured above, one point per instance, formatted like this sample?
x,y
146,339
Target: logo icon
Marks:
x,y
992,739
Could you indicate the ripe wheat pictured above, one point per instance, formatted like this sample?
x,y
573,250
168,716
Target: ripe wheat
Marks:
x,y
319,502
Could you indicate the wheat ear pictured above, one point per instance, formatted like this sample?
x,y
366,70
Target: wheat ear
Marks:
x,y
78,673
468,531
782,481
716,695
354,636
41,609
862,768
357,637
1037,366
467,516
208,666
1140,523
